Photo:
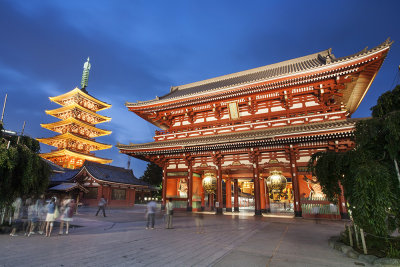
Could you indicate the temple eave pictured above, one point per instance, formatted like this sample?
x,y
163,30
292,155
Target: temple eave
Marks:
x,y
66,152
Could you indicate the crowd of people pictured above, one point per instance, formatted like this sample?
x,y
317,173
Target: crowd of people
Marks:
x,y
37,216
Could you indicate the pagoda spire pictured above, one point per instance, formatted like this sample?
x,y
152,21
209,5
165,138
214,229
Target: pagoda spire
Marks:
x,y
85,74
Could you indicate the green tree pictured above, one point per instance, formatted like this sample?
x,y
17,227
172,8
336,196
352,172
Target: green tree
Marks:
x,y
152,174
22,171
369,172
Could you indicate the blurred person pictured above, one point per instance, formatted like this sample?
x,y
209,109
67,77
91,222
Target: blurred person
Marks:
x,y
151,213
169,211
42,212
17,208
102,206
33,217
66,217
50,217
25,216
199,223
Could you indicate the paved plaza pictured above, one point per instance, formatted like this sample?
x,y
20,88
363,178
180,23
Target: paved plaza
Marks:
x,y
121,239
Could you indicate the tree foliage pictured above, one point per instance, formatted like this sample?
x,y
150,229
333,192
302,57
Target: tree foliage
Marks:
x,y
153,174
22,171
368,172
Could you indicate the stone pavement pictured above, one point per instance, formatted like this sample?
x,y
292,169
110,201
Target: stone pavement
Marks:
x,y
121,239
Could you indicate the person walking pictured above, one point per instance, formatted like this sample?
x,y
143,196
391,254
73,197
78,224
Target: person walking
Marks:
x,y
17,208
51,210
66,217
169,208
151,213
102,206
33,217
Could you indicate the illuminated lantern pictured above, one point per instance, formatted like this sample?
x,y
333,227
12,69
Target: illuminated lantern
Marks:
x,y
276,182
209,182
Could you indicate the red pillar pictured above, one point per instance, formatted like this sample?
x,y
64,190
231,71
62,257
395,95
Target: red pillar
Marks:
x,y
267,205
228,195
257,202
202,198
262,194
190,187
235,195
211,201
164,186
219,189
295,183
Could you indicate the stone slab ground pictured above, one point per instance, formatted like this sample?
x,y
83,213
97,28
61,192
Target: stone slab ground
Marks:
x,y
121,239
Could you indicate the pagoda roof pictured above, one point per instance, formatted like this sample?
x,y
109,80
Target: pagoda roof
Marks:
x,y
66,152
54,112
64,136
304,66
77,91
278,135
109,173
71,120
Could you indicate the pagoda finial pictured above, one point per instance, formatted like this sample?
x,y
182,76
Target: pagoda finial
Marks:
x,y
85,74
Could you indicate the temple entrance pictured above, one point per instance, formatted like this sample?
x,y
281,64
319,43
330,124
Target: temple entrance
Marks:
x,y
246,195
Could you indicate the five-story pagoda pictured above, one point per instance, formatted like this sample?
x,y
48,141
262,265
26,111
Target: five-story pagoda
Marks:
x,y
77,128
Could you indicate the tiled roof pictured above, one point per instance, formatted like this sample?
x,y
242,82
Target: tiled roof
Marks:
x,y
65,176
261,73
67,187
112,173
247,136
289,67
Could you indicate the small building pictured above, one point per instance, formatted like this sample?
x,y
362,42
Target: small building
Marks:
x,y
93,180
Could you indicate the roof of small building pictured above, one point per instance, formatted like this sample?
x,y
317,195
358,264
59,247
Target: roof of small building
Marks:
x,y
112,173
99,171
68,187
65,176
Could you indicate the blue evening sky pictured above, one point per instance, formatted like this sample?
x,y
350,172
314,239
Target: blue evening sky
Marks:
x,y
139,49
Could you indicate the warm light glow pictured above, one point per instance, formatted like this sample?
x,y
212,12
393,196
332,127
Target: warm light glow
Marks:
x,y
209,182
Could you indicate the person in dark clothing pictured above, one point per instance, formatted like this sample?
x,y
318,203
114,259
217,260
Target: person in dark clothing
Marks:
x,y
102,206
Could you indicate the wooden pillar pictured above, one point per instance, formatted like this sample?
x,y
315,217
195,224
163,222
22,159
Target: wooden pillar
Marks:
x,y
342,205
228,195
295,182
164,186
235,195
262,195
190,187
202,198
257,202
267,205
211,201
219,188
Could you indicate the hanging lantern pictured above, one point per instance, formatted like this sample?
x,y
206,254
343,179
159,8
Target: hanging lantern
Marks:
x,y
209,182
276,182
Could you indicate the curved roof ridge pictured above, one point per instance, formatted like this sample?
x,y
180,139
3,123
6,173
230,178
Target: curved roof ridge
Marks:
x,y
254,70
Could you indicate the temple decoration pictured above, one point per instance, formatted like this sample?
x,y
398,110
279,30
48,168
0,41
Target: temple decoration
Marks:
x,y
242,124
276,182
209,183
76,129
